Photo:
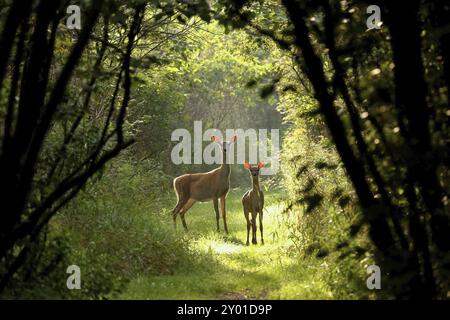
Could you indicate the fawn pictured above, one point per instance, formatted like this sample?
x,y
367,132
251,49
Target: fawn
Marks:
x,y
253,202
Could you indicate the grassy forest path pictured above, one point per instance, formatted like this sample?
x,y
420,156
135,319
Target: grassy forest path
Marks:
x,y
225,268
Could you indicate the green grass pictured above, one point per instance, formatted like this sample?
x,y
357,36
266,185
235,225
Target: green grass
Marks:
x,y
225,268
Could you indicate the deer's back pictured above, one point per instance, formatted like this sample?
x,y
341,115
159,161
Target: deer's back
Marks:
x,y
202,186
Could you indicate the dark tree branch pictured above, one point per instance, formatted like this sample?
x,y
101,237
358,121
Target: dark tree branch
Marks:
x,y
339,79
380,230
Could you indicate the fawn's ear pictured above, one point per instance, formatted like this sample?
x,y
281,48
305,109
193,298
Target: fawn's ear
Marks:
x,y
215,139
247,165
260,164
233,139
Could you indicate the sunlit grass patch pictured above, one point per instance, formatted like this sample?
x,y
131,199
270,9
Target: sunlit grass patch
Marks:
x,y
218,247
224,267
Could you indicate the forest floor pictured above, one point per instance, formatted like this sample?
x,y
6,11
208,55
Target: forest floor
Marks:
x,y
231,270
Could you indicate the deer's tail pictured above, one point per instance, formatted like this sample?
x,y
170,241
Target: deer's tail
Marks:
x,y
175,187
181,196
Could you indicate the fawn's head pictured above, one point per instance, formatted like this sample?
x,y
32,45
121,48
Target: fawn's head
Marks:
x,y
254,170
224,145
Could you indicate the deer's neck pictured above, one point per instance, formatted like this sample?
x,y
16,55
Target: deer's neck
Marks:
x,y
225,168
255,184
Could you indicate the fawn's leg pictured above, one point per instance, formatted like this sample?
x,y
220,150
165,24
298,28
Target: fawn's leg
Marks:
x,y
224,213
216,209
261,226
248,225
254,241
183,211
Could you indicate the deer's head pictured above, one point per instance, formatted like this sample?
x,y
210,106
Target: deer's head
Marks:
x,y
254,170
224,145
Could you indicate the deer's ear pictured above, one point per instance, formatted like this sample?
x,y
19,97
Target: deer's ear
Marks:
x,y
233,139
260,164
246,165
215,139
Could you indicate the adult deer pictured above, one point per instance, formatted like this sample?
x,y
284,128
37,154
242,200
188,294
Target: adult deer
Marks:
x,y
253,202
212,185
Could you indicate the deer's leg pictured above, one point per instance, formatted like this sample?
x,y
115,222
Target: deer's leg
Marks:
x,y
183,211
248,226
224,213
181,202
254,213
216,209
261,226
